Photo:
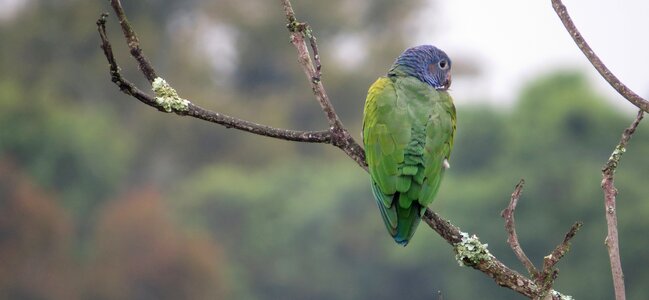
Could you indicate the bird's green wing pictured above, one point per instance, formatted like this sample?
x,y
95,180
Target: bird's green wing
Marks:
x,y
434,130
386,133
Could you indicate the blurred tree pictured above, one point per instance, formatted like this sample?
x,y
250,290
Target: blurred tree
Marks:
x,y
36,260
141,255
302,233
484,126
62,147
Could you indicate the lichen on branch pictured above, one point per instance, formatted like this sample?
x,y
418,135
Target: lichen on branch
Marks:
x,y
167,97
470,251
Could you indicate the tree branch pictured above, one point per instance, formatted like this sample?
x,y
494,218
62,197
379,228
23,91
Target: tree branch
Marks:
x,y
546,277
549,273
193,110
298,32
133,42
490,265
510,227
472,253
610,192
620,87
340,136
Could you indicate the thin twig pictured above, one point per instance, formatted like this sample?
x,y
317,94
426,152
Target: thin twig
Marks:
x,y
510,226
614,159
549,273
316,54
305,29
323,136
298,32
544,279
610,193
551,260
340,136
124,85
198,112
620,87
133,42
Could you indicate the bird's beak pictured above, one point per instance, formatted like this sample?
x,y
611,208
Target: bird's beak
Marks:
x,y
447,82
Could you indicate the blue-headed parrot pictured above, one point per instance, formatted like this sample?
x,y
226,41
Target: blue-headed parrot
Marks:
x,y
408,129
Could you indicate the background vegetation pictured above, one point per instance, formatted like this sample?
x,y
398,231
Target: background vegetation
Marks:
x,y
103,198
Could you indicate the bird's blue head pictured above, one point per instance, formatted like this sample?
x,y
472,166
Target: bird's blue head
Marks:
x,y
427,63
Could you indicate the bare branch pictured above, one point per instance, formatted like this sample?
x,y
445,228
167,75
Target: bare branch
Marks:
x,y
316,55
444,228
198,112
124,85
549,273
546,277
298,32
495,269
489,265
610,193
323,136
614,159
512,239
340,136
551,260
133,42
620,87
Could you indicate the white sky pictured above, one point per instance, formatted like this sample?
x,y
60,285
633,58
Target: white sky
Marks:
x,y
10,7
514,41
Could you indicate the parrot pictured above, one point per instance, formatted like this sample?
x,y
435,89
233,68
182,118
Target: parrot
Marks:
x,y
408,129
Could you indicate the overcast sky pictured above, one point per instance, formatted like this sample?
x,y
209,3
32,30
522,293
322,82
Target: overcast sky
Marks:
x,y
516,40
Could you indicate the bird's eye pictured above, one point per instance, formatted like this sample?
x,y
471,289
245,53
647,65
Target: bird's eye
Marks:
x,y
443,64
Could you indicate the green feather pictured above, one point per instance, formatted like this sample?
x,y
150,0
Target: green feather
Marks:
x,y
409,170
405,201
415,189
403,183
407,224
388,211
419,177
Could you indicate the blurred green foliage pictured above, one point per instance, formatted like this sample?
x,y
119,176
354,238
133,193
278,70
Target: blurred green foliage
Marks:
x,y
103,198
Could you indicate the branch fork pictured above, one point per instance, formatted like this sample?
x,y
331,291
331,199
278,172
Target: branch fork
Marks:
x,y
544,278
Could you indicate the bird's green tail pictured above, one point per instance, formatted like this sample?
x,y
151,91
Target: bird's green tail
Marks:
x,y
408,220
400,221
